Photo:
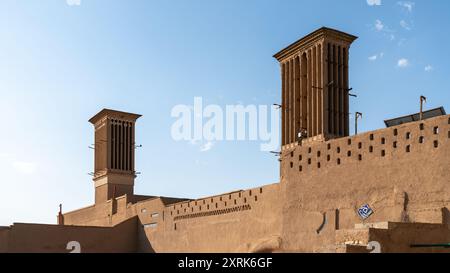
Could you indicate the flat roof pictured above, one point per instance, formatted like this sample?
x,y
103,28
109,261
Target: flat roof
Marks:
x,y
317,34
114,113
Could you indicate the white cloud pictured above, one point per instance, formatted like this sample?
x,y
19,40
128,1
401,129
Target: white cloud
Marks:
x,y
24,167
408,6
376,57
402,63
379,25
374,2
73,2
405,25
20,166
206,147
429,68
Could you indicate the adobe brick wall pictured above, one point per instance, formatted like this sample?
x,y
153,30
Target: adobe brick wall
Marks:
x,y
400,237
244,221
400,178
4,239
34,238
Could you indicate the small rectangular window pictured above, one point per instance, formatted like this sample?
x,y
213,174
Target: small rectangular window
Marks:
x,y
155,215
151,225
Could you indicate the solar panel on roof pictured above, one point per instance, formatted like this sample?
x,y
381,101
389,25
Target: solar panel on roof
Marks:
x,y
415,117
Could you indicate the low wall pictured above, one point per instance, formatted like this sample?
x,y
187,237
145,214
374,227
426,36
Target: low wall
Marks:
x,y
243,221
35,238
4,238
400,236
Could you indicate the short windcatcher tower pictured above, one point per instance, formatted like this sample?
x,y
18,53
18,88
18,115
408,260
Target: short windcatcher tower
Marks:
x,y
114,170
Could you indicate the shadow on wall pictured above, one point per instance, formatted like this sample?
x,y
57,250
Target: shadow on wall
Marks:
x,y
446,217
143,243
267,245
37,238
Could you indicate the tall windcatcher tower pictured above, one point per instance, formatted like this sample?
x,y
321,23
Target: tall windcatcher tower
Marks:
x,y
114,171
315,87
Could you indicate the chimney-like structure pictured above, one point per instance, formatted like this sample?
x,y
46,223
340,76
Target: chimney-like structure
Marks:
x,y
315,86
114,171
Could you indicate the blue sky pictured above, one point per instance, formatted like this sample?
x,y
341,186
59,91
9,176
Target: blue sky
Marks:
x,y
60,64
